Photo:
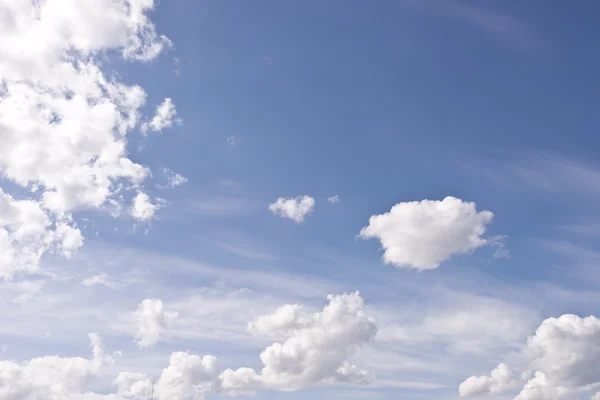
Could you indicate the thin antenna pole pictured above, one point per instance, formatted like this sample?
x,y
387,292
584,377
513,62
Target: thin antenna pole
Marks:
x,y
152,393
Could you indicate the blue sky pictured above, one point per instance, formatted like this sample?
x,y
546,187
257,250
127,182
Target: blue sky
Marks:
x,y
392,106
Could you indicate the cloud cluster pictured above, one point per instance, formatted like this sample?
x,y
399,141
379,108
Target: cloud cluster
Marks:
x,y
151,319
52,377
64,120
423,234
316,351
296,208
563,359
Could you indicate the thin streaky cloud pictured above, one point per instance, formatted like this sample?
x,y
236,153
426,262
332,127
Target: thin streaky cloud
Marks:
x,y
500,24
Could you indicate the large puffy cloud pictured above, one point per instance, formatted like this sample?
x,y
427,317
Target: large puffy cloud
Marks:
x,y
51,377
500,380
296,208
151,319
187,377
423,234
563,357
63,120
316,350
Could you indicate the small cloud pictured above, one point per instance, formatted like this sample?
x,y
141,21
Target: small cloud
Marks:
x,y
100,279
177,63
232,141
498,243
173,178
268,60
143,209
333,199
164,118
293,208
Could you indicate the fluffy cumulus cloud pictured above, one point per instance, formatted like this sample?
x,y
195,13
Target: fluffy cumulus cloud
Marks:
x,y
296,208
187,377
151,319
500,380
423,234
142,209
563,359
164,117
315,350
64,120
52,377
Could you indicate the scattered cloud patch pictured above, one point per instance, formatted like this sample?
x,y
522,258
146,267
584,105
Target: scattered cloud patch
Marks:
x,y
174,179
423,234
296,208
164,117
232,141
333,199
142,209
151,319
99,280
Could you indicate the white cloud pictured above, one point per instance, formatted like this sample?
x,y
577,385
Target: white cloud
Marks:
x,y
293,208
462,324
315,352
163,118
564,354
99,279
333,199
423,234
151,319
232,140
539,388
63,120
174,179
142,209
51,377
27,230
187,376
499,381
284,320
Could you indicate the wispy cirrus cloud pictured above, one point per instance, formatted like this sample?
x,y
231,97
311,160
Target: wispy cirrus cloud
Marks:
x,y
499,24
